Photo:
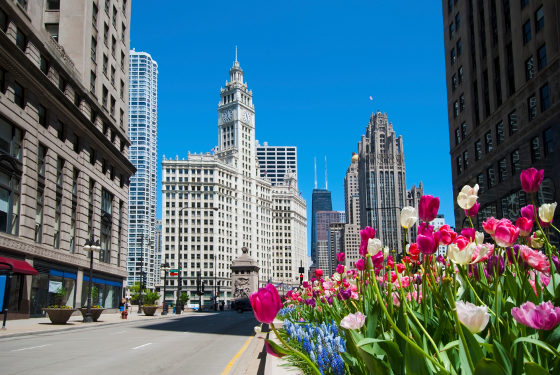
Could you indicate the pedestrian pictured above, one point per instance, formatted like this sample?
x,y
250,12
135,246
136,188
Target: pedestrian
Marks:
x,y
222,305
123,307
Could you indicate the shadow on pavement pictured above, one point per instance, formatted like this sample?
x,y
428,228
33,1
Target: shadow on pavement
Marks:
x,y
220,324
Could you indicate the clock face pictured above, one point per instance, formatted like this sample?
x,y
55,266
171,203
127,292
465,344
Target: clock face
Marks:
x,y
247,117
227,115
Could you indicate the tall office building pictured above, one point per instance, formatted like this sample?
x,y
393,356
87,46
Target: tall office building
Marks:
x,y
142,128
413,200
158,246
336,244
323,221
382,180
216,204
320,201
276,161
502,70
351,232
64,150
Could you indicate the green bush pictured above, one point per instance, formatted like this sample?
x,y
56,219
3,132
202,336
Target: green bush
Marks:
x,y
150,298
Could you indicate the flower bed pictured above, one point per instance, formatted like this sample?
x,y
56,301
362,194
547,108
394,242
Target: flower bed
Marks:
x,y
487,307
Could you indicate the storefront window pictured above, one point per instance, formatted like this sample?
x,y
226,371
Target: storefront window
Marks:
x,y
44,287
105,293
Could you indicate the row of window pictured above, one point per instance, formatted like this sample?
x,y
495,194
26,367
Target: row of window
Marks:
x,y
539,25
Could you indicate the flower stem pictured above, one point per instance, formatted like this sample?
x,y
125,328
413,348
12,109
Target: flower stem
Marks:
x,y
296,352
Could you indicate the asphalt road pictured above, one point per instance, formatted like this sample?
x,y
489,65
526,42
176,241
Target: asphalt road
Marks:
x,y
201,344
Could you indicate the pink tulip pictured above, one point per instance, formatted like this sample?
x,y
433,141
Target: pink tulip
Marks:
x,y
445,235
469,233
473,211
428,208
461,242
266,303
531,180
366,234
361,264
489,225
340,268
528,212
427,243
340,257
525,226
544,316
319,273
506,233
535,259
353,321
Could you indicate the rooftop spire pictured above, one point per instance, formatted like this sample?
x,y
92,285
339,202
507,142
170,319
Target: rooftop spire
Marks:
x,y
315,160
235,53
326,180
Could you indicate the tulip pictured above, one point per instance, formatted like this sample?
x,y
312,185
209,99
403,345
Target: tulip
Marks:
x,y
374,246
427,244
408,217
479,238
266,303
353,321
546,212
531,179
319,273
535,259
544,316
505,233
475,318
467,197
412,249
482,252
473,211
365,235
469,233
340,268
493,262
340,257
461,242
428,208
360,264
489,225
528,212
461,256
445,235
525,226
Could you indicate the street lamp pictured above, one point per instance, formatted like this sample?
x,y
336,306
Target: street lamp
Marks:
x,y
178,308
165,267
90,246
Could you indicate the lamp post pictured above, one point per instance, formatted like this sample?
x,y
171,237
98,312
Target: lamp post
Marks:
x,y
90,246
165,267
179,308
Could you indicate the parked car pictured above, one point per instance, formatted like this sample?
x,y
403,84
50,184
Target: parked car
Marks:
x,y
241,304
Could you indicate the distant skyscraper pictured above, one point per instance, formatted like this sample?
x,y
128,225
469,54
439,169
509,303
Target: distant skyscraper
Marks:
x,y
503,99
323,220
336,244
382,180
351,232
320,201
158,246
142,125
413,199
276,161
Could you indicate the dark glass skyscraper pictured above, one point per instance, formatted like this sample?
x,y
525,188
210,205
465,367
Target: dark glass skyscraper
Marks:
x,y
320,201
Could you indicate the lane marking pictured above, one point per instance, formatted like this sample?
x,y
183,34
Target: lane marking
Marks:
x,y
141,346
236,357
118,333
31,347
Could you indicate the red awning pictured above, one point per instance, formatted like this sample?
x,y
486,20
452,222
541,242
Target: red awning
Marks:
x,y
19,266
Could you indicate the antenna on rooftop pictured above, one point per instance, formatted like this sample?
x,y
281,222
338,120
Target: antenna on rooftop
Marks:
x,y
326,180
315,160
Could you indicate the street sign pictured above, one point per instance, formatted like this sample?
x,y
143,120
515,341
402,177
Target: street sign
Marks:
x,y
173,272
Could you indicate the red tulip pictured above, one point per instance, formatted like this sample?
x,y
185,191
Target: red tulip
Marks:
x,y
445,235
525,226
428,208
266,303
319,273
531,179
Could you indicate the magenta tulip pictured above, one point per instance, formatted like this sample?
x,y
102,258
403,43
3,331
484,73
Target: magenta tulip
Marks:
x,y
506,233
468,233
360,264
340,257
365,235
428,208
528,212
427,244
531,180
525,226
266,303
473,211
489,225
544,316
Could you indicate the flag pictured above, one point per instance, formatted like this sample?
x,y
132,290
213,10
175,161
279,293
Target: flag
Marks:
x,y
371,98
213,149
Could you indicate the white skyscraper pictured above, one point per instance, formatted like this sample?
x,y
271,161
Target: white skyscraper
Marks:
x,y
216,204
142,128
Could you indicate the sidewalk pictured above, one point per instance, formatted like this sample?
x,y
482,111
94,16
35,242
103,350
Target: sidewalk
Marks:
x,y
33,326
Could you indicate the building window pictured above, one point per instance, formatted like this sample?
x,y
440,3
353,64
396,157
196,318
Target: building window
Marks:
x,y
39,213
524,3
123,33
459,47
2,80
515,162
502,170
92,156
53,4
19,95
113,76
477,150
488,139
512,122
500,136
94,16
106,220
454,82
464,130
539,19
93,49
106,34
545,97
44,65
121,119
122,89
549,142
535,149
529,68
52,29
451,30
114,17
41,160
457,136
532,107
72,246
526,32
465,160
491,178
3,21
541,57
452,56
92,78
113,46
462,102
57,217
21,39
42,112
9,203
107,6
459,164
105,64
113,104
480,182
456,109
461,77
122,60
104,96
59,171
457,21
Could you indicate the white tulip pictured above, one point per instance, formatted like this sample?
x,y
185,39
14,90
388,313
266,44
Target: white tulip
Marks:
x,y
475,318
374,246
409,216
467,197
458,256
479,238
546,212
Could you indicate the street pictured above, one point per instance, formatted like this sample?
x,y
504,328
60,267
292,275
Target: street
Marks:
x,y
199,344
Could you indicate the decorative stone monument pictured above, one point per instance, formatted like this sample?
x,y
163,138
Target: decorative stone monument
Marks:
x,y
244,275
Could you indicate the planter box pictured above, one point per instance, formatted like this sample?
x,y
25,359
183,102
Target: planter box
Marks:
x,y
95,313
59,316
149,310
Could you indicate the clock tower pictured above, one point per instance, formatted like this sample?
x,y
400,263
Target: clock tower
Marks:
x,y
236,123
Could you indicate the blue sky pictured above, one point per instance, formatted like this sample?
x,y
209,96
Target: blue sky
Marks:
x,y
312,66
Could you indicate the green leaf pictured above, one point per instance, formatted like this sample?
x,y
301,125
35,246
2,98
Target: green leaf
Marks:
x,y
472,345
415,361
450,345
501,355
488,367
532,368
374,364
394,354
540,343
279,350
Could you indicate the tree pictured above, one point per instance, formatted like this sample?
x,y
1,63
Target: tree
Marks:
x,y
134,292
183,298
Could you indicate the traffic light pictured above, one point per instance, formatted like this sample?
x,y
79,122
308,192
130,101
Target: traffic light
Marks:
x,y
202,288
198,287
300,278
